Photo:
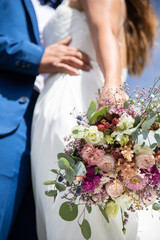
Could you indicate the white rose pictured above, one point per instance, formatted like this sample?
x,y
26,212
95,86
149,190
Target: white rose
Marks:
x,y
138,149
125,122
94,136
124,201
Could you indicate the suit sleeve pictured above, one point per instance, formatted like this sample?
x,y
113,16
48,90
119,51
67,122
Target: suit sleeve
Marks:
x,y
20,56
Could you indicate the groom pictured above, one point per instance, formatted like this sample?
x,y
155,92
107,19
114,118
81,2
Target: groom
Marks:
x,y
21,58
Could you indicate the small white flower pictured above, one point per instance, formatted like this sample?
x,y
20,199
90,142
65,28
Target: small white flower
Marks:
x,y
124,201
94,136
125,122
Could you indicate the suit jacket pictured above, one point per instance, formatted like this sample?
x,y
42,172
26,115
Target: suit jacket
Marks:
x,y
20,56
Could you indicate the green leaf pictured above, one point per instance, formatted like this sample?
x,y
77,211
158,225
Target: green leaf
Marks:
x,y
76,159
51,193
85,229
54,171
98,114
79,169
96,169
103,213
127,103
156,206
60,187
149,121
92,108
70,175
68,214
63,163
144,138
89,209
136,121
66,156
49,182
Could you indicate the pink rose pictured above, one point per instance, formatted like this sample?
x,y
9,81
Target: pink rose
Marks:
x,y
114,189
145,161
91,155
107,164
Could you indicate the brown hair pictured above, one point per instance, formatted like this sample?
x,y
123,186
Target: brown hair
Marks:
x,y
140,28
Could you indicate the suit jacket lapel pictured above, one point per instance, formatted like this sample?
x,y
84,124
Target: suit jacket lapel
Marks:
x,y
31,12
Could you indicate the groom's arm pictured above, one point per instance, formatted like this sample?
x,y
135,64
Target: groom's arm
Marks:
x,y
30,58
20,56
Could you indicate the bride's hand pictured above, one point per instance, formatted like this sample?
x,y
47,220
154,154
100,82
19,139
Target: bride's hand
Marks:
x,y
112,94
59,57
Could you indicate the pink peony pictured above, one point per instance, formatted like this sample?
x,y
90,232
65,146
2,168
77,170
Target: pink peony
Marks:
x,y
107,164
114,189
91,155
150,197
135,183
145,161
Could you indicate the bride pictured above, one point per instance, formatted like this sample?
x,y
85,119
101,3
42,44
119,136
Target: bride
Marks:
x,y
116,34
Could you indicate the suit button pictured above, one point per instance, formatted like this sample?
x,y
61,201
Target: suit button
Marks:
x,y
28,66
18,64
23,100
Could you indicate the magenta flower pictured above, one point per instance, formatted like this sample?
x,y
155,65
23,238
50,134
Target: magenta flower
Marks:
x,y
90,181
91,155
152,174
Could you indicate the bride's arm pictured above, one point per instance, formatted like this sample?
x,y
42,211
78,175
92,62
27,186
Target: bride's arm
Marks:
x,y
104,18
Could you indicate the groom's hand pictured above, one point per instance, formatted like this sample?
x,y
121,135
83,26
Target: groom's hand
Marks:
x,y
60,57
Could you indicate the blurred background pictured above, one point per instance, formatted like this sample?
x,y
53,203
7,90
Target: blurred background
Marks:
x,y
152,69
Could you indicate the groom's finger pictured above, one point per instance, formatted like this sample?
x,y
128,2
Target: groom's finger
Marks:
x,y
65,68
79,54
65,41
76,63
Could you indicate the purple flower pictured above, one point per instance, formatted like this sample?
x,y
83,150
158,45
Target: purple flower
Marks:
x,y
152,174
90,181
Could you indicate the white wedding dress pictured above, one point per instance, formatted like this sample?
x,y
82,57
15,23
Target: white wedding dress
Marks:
x,y
52,122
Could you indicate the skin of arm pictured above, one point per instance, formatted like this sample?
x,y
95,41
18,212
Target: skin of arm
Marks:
x,y
104,18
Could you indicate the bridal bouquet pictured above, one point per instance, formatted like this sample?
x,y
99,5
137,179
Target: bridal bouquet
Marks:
x,y
112,159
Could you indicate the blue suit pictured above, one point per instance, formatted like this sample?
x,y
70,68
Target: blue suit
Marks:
x,y
20,56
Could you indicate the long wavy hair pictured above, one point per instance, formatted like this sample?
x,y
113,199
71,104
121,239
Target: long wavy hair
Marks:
x,y
140,28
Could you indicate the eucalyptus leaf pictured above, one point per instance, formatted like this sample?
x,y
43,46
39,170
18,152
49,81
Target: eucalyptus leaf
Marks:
x,y
70,175
76,159
85,229
156,206
89,209
144,138
49,182
67,213
79,169
60,187
51,193
149,121
104,214
157,137
92,108
66,156
63,163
